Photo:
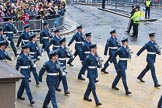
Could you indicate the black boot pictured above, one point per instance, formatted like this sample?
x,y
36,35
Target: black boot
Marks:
x,y
128,93
140,79
104,71
98,104
20,97
32,102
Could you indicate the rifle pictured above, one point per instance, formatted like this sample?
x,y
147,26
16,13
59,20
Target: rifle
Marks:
x,y
6,39
7,56
39,50
130,52
69,52
60,68
99,60
158,48
15,29
31,61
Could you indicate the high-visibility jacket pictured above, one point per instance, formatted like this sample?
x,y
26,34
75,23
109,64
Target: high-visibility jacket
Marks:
x,y
148,3
136,17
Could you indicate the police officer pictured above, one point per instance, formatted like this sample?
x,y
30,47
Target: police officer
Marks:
x,y
123,53
24,37
55,40
160,102
9,29
24,65
148,4
131,21
45,36
3,53
78,45
3,37
62,54
52,79
136,21
91,65
152,50
103,4
33,47
113,45
86,50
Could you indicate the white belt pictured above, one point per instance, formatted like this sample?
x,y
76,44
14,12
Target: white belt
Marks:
x,y
151,52
92,67
123,59
87,52
25,40
8,32
56,46
32,53
113,47
45,38
62,58
53,74
78,42
35,65
24,67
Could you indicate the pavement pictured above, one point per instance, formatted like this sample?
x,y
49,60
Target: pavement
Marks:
x,y
144,95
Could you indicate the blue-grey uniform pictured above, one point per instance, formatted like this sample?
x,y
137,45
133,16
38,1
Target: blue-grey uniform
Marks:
x,y
151,56
52,80
55,41
78,45
91,65
24,37
86,50
44,38
160,103
62,55
86,46
113,45
24,65
3,53
33,47
123,54
9,29
4,38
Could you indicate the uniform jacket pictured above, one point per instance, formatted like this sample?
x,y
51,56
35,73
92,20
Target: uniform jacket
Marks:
x,y
122,52
9,28
86,48
4,55
78,38
23,39
33,50
55,42
62,55
150,47
111,42
44,37
50,67
91,61
22,60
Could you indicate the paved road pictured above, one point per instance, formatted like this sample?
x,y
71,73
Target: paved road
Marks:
x,y
100,23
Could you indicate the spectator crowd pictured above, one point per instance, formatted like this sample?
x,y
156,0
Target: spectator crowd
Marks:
x,y
31,9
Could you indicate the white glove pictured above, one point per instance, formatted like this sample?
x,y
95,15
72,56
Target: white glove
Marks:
x,y
12,58
109,63
136,56
63,74
105,56
102,66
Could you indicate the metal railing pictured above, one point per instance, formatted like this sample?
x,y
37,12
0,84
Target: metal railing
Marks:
x,y
120,2
37,24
